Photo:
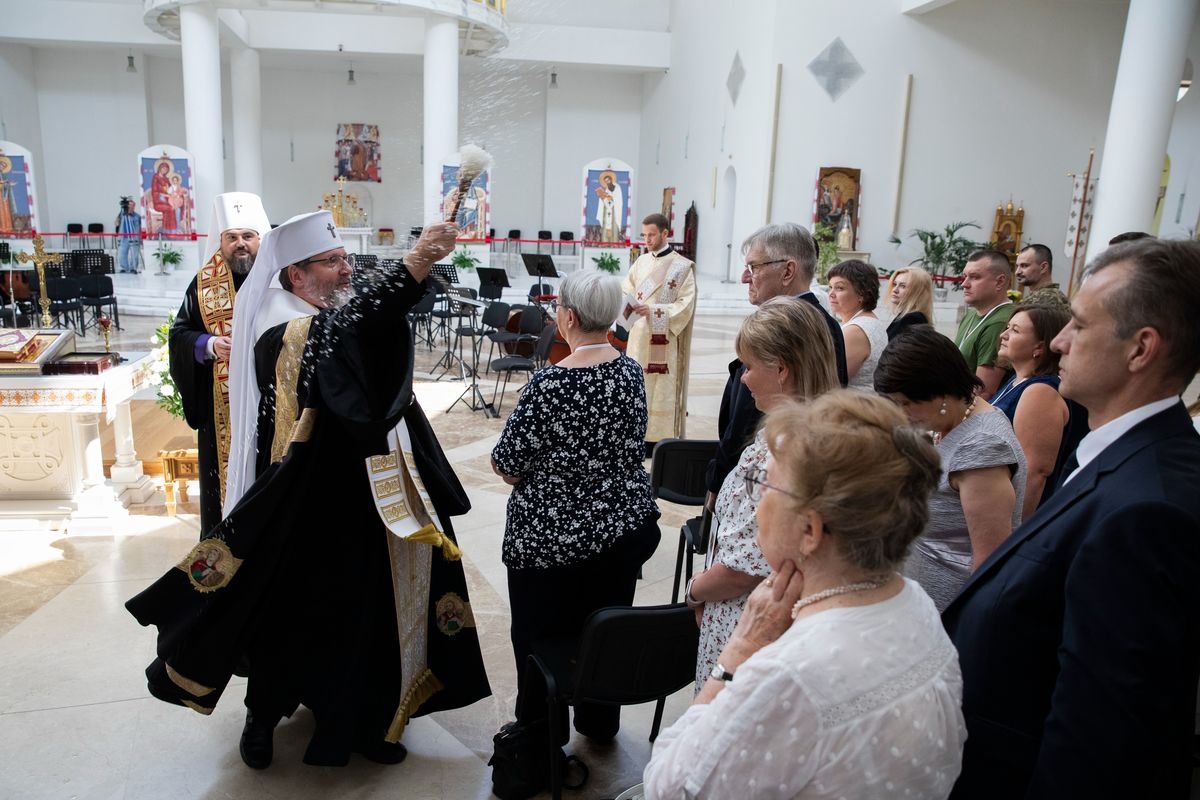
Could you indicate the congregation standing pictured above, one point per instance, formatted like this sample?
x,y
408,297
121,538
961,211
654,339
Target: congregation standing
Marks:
x,y
969,574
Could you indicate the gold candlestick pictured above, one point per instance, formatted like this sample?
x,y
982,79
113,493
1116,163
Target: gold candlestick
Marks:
x,y
40,259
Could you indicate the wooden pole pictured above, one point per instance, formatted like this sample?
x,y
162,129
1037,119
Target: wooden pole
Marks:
x,y
1083,199
774,142
908,82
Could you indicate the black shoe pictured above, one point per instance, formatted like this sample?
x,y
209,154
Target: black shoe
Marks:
x,y
382,752
257,746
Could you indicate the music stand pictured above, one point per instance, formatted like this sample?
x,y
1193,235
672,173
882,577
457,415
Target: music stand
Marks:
x,y
446,272
476,401
539,265
493,276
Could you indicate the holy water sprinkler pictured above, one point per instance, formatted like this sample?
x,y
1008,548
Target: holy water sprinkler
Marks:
x,y
472,162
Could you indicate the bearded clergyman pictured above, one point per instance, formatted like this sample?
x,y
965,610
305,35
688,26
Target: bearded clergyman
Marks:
x,y
334,577
202,335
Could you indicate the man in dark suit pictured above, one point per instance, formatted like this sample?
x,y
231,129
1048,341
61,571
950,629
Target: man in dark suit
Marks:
x,y
1079,638
779,260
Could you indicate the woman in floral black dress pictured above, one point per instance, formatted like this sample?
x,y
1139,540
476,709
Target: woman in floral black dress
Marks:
x,y
581,517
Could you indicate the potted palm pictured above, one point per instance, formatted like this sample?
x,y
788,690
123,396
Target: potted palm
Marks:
x,y
945,251
607,262
167,256
463,259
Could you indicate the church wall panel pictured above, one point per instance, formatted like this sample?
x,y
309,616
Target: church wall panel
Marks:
x,y
1007,98
19,109
591,115
93,123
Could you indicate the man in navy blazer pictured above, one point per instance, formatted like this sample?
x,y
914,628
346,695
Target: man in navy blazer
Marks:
x,y
780,259
1079,638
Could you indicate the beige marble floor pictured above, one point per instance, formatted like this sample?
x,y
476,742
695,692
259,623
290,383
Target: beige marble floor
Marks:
x,y
75,719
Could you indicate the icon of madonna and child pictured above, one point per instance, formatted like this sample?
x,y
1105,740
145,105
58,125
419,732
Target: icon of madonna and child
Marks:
x,y
167,195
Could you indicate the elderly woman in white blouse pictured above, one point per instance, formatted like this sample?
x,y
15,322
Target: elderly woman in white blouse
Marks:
x,y
839,679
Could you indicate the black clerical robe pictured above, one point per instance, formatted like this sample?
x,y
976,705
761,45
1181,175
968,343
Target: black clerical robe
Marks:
x,y
195,380
299,576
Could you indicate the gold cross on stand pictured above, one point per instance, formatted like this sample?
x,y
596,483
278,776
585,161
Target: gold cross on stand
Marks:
x,y
40,259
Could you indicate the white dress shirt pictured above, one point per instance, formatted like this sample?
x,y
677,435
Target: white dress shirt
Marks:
x,y
1098,440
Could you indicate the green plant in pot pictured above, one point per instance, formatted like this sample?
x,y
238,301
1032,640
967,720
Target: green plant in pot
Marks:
x,y
463,259
168,256
827,252
607,262
945,251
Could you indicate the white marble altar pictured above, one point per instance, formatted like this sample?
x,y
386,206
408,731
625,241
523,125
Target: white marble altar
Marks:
x,y
51,467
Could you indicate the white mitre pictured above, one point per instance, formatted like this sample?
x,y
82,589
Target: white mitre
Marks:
x,y
262,304
234,210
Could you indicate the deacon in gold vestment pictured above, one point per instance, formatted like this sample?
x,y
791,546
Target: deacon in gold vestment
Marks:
x,y
662,285
201,335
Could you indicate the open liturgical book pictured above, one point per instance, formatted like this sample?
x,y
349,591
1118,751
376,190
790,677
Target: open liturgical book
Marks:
x,y
628,317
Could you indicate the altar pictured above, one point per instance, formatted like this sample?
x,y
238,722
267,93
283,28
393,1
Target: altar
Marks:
x,y
51,466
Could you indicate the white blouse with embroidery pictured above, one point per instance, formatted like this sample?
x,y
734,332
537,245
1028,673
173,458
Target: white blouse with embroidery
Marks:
x,y
850,702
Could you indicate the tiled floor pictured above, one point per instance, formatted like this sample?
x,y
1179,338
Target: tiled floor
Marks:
x,y
75,719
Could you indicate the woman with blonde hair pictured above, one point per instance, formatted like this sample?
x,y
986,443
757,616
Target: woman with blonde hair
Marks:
x,y
788,353
839,680
910,294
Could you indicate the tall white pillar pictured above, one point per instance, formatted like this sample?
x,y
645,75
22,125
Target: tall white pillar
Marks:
x,y
245,78
202,102
1139,120
440,106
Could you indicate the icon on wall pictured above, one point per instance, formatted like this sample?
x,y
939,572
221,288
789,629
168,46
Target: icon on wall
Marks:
x,y
167,190
18,213
607,201
357,152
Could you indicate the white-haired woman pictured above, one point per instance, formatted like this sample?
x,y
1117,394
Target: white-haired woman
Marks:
x,y
581,517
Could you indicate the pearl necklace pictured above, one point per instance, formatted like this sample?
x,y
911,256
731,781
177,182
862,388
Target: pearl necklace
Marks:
x,y
591,346
847,588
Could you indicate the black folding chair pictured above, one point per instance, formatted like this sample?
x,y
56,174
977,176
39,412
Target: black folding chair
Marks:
x,y
420,317
624,656
97,293
66,302
678,474
510,364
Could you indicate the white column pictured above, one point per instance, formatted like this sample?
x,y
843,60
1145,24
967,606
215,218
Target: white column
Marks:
x,y
202,102
440,106
87,439
245,78
1139,120
130,484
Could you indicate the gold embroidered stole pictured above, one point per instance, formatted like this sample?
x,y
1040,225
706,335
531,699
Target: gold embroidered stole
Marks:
x,y
407,511
215,292
668,273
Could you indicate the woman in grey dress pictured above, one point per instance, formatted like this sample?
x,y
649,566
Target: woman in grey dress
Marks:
x,y
978,500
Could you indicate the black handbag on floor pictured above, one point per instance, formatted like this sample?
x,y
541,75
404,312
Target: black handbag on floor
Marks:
x,y
521,761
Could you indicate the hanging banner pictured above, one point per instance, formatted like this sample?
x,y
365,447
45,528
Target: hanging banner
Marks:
x,y
168,190
607,201
474,218
18,211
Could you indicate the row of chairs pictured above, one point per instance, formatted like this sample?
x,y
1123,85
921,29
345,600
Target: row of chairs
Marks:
x,y
75,302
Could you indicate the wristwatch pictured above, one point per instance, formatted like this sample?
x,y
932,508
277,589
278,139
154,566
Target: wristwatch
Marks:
x,y
721,674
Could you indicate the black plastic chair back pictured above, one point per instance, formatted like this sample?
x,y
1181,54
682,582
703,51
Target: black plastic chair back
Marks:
x,y
532,321
515,233
539,289
635,655
545,236
566,236
95,227
495,316
678,473
74,227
